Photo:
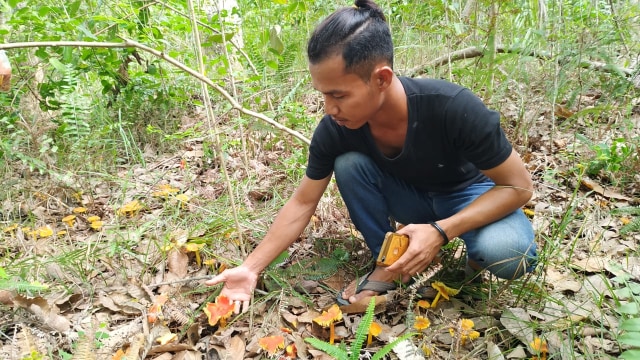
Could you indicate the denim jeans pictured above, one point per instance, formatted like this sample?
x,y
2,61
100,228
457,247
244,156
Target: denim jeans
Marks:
x,y
504,247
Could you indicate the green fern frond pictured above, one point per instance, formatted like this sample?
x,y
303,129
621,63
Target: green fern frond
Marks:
x,y
627,210
387,348
331,350
363,330
256,57
285,63
22,286
634,225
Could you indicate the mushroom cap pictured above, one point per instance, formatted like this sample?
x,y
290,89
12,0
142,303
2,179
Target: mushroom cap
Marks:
x,y
221,309
93,218
421,323
375,329
539,345
424,304
271,343
444,290
193,246
466,324
329,316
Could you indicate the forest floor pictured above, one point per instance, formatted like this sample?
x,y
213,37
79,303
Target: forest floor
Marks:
x,y
82,289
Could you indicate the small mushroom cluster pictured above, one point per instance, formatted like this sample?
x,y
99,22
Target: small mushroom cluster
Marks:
x,y
465,331
443,291
327,319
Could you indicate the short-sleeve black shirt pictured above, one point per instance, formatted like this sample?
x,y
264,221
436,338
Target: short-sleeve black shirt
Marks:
x,y
450,137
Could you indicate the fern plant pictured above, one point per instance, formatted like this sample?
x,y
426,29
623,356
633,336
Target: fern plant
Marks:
x,y
341,352
629,316
633,225
29,288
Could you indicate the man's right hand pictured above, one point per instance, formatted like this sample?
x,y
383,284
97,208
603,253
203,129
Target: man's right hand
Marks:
x,y
239,283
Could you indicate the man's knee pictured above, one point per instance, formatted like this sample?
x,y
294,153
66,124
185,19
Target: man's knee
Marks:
x,y
506,248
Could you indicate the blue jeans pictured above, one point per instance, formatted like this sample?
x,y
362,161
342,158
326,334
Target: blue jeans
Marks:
x,y
504,247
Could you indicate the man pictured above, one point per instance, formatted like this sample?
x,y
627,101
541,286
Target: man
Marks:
x,y
426,152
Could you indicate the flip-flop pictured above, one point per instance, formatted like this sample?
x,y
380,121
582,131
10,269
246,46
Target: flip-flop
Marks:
x,y
381,287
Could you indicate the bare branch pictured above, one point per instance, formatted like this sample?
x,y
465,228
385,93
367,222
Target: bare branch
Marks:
x,y
472,52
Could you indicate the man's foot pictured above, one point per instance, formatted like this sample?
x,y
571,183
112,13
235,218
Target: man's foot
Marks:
x,y
374,283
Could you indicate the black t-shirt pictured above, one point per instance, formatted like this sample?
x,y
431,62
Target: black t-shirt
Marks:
x,y
451,135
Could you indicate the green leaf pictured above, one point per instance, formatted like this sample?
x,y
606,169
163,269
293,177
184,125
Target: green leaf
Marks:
x,y
630,355
331,350
629,308
67,54
631,325
57,64
280,2
217,38
631,339
73,8
13,3
274,39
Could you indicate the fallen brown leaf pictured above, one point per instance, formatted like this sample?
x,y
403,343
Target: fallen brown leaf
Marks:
x,y
45,312
599,189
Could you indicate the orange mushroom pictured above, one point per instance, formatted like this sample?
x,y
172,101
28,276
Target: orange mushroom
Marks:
x,y
271,343
10,229
421,323
164,190
540,347
44,231
79,210
423,304
69,220
443,291
93,218
328,318
129,209
291,352
96,225
156,309
374,330
466,331
219,311
195,248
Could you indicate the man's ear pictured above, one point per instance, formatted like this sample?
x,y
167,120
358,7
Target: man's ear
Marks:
x,y
382,76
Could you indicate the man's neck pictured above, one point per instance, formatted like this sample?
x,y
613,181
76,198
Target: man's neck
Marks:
x,y
393,111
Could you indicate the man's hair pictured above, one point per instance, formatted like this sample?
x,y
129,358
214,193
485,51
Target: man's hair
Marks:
x,y
359,33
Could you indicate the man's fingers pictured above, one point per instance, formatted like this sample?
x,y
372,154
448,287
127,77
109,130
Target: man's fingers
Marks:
x,y
240,306
216,279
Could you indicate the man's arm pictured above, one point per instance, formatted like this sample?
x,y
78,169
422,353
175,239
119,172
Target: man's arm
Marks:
x,y
289,224
513,189
239,282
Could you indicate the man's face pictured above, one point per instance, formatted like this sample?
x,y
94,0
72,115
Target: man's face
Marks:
x,y
348,99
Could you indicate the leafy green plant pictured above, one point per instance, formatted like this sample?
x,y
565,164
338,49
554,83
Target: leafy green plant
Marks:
x,y
341,352
25,287
608,157
634,224
629,314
